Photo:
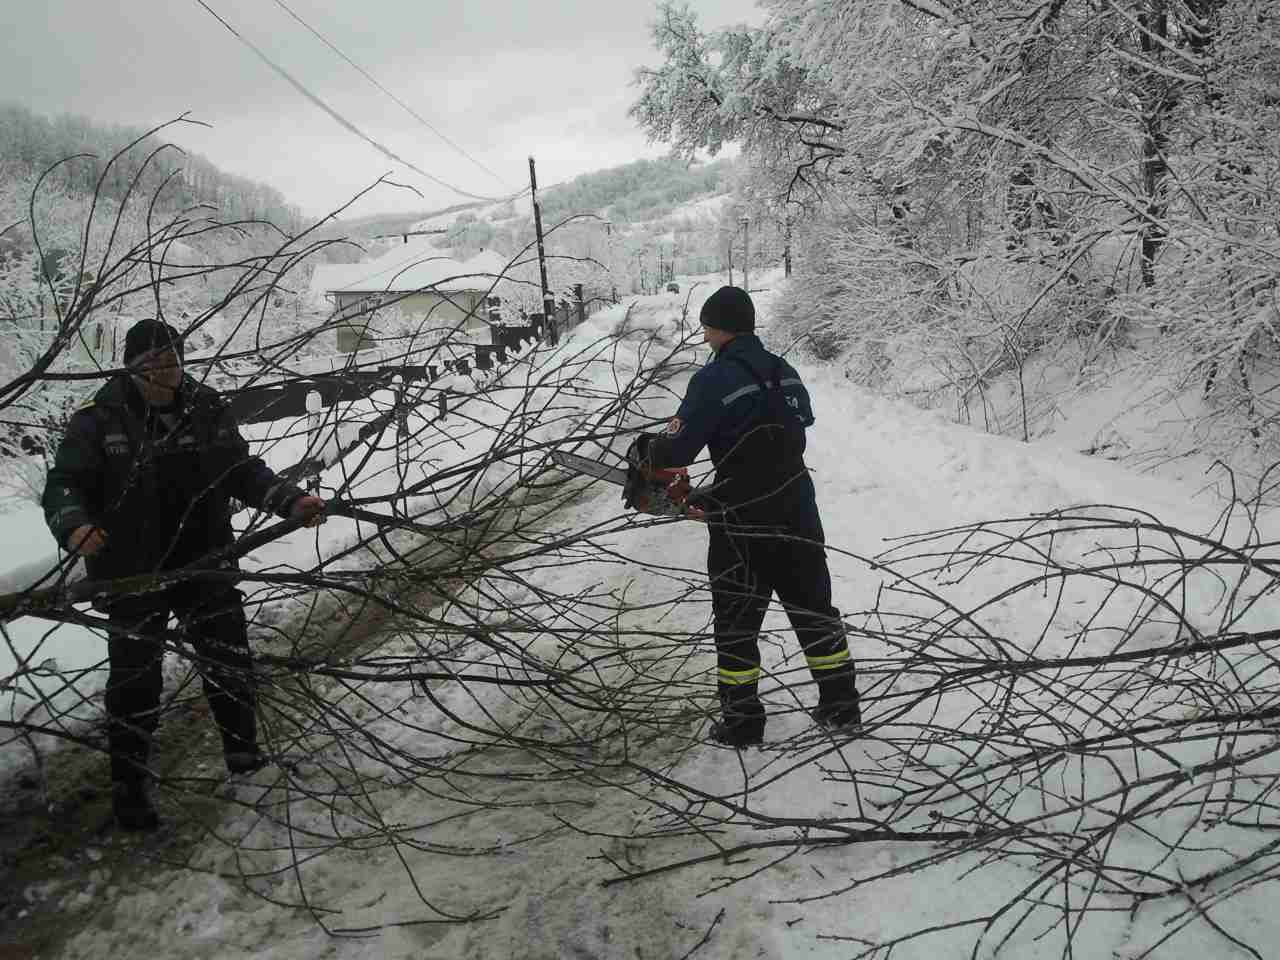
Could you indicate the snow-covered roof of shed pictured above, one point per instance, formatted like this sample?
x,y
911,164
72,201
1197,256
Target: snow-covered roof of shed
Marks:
x,y
176,253
333,276
411,267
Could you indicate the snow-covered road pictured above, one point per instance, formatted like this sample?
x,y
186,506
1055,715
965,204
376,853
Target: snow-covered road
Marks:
x,y
526,838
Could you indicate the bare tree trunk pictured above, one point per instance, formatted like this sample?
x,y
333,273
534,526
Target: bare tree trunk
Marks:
x,y
786,249
1156,98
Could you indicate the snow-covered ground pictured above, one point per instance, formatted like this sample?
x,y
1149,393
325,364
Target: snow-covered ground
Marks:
x,y
525,838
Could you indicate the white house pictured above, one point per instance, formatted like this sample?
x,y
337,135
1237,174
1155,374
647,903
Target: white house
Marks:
x,y
421,282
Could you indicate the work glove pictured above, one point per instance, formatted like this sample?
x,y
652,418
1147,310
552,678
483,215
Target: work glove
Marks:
x,y
681,493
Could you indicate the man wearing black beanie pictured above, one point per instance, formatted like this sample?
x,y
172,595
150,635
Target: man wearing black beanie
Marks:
x,y
728,310
750,409
143,483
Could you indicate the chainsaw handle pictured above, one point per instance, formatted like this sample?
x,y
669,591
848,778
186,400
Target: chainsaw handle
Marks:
x,y
695,513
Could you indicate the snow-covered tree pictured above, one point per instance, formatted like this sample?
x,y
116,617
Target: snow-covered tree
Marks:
x,y
1113,159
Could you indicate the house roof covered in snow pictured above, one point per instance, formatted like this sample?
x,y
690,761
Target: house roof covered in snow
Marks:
x,y
333,276
175,252
410,267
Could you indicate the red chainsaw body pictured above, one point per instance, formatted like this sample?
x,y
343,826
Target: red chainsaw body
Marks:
x,y
668,489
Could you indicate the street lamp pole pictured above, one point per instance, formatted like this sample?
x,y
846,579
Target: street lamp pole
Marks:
x,y
613,277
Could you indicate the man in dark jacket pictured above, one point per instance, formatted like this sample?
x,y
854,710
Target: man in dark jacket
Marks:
x,y
142,483
750,409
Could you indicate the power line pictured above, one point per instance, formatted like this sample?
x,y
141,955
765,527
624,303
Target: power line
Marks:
x,y
364,73
297,85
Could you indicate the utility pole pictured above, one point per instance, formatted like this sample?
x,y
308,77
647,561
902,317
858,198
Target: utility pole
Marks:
x,y
548,305
746,253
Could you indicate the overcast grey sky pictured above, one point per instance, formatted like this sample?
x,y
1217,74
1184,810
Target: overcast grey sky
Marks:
x,y
501,79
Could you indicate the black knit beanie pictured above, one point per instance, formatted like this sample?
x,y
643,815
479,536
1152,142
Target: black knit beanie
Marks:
x,y
729,309
147,335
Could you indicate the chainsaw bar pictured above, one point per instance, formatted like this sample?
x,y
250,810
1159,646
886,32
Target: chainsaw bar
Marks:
x,y
592,468
655,500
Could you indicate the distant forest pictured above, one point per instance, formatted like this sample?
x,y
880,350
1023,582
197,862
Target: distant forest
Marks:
x,y
31,144
639,191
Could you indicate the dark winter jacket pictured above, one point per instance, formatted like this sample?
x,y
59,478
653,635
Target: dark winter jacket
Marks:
x,y
162,496
750,409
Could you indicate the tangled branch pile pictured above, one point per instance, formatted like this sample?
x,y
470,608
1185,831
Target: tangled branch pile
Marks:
x,y
482,651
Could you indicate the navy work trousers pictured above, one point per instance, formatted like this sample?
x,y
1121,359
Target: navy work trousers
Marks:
x,y
746,567
212,621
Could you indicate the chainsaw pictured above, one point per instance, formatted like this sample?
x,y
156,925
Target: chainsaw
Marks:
x,y
658,492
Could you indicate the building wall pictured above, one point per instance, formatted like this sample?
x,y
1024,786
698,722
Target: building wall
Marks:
x,y
436,309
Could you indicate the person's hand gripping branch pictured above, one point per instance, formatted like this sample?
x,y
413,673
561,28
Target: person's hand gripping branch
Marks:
x,y
309,510
86,540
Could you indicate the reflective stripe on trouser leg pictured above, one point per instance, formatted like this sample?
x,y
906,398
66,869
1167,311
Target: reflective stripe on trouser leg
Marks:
x,y
830,661
824,640
738,678
831,665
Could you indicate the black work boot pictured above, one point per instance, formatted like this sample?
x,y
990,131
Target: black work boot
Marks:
x,y
744,734
845,717
239,726
131,805
741,722
245,761
837,707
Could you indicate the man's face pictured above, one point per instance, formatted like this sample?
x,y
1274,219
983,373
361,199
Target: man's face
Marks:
x,y
160,367
714,338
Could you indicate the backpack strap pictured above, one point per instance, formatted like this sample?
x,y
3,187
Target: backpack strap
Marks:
x,y
775,413
763,384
